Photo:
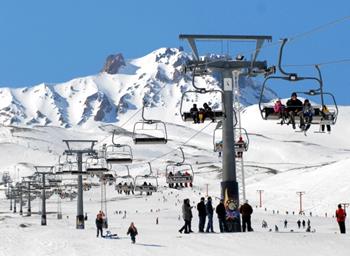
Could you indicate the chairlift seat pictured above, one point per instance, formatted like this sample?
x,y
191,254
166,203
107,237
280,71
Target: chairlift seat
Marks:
x,y
145,188
217,115
317,118
149,140
96,170
179,179
119,160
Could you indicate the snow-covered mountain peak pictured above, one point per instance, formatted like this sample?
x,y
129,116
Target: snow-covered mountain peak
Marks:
x,y
125,85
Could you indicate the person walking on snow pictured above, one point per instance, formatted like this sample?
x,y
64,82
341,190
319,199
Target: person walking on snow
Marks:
x,y
132,231
210,211
187,216
340,214
202,214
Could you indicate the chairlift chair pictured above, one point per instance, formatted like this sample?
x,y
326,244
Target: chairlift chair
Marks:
x,y
147,131
96,165
146,183
267,110
215,114
120,181
180,172
118,153
240,146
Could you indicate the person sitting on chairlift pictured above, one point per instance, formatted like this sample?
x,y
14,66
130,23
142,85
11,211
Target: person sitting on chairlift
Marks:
x,y
294,107
208,112
240,144
280,109
326,115
306,116
195,113
171,175
201,115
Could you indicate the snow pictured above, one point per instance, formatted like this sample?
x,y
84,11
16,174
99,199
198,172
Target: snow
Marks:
x,y
279,161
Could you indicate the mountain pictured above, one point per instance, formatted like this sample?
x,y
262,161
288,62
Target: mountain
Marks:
x,y
122,86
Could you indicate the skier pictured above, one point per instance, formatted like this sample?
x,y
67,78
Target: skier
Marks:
x,y
133,232
285,223
209,210
264,224
221,212
246,210
201,214
294,107
187,216
341,215
299,223
308,222
99,223
306,115
326,115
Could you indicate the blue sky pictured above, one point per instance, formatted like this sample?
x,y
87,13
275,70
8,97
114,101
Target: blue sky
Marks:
x,y
57,40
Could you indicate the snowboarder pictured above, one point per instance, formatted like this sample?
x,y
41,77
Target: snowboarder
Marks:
x,y
299,223
246,210
132,231
187,216
201,214
340,214
99,223
209,210
221,212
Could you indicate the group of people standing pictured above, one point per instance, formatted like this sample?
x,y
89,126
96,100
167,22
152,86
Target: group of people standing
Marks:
x,y
225,216
304,110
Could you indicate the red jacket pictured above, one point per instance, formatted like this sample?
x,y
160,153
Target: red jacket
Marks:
x,y
340,214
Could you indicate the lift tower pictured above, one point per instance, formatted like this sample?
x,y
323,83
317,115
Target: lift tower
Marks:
x,y
230,69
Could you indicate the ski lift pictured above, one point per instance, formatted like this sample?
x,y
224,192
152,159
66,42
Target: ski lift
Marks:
x,y
241,143
124,183
149,131
179,173
201,114
118,153
96,165
108,178
267,110
146,183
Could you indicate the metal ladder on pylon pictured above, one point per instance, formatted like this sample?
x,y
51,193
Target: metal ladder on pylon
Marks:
x,y
239,160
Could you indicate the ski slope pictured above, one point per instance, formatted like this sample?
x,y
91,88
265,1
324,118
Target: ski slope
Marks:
x,y
279,161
